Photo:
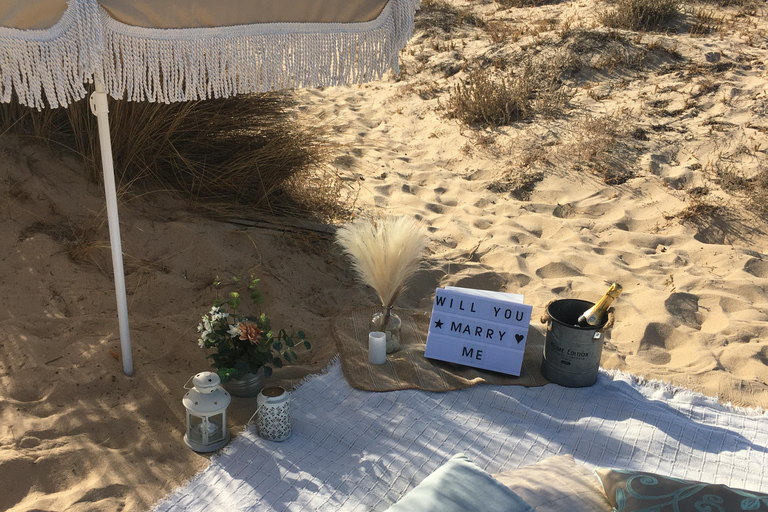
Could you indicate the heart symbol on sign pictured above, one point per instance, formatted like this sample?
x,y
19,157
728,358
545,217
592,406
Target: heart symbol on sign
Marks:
x,y
519,337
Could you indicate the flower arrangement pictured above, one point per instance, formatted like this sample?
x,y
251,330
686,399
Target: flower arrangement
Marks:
x,y
385,254
244,343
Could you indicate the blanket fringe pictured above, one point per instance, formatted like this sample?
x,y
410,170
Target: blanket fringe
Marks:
x,y
660,389
336,360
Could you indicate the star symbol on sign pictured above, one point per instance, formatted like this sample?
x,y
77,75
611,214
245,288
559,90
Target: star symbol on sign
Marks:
x,y
439,324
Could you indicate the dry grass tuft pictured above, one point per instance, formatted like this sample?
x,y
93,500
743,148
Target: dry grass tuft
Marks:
x,y
491,100
248,150
744,6
705,21
601,145
502,32
518,183
498,98
439,14
641,15
699,210
759,194
523,3
753,189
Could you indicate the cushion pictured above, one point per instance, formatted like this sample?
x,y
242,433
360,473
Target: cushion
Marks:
x,y
635,491
460,486
557,484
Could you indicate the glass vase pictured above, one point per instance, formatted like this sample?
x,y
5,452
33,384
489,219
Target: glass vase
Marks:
x,y
390,324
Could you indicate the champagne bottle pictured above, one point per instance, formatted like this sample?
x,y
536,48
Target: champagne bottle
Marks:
x,y
596,314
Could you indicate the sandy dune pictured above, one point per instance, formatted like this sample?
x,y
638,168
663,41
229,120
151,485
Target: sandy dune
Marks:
x,y
522,208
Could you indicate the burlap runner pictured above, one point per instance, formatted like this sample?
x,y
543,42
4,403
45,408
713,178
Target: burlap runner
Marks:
x,y
409,369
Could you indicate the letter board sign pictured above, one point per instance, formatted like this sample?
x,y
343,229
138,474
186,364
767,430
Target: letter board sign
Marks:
x,y
479,328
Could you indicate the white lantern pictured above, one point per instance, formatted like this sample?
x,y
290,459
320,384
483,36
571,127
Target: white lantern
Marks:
x,y
274,421
206,405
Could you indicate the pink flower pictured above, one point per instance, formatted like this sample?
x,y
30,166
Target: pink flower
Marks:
x,y
249,331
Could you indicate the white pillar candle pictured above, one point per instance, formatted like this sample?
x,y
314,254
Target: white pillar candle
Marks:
x,y
377,347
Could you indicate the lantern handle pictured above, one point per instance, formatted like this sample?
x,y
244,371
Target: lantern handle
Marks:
x,y
254,413
189,379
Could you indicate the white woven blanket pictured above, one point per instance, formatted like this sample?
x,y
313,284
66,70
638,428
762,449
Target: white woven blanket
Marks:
x,y
354,450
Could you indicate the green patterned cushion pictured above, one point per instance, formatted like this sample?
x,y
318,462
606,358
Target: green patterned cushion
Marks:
x,y
635,491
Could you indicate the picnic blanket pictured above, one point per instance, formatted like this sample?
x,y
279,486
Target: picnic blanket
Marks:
x,y
354,450
409,369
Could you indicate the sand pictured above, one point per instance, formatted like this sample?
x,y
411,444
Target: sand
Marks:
x,y
77,434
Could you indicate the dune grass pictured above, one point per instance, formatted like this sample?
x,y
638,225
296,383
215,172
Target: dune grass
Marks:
x,y
493,101
247,151
490,98
641,15
439,14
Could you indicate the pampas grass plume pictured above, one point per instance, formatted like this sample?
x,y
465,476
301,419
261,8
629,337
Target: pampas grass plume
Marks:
x,y
384,253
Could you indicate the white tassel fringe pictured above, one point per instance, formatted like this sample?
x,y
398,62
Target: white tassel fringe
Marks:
x,y
51,64
160,65
170,65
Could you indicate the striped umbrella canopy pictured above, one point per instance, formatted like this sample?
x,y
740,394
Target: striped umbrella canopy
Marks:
x,y
185,50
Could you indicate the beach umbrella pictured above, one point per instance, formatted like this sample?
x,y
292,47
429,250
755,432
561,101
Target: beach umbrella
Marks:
x,y
185,50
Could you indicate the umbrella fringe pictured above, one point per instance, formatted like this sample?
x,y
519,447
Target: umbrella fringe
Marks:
x,y
51,66
40,66
170,65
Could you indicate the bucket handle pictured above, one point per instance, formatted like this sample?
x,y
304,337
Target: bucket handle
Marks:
x,y
545,318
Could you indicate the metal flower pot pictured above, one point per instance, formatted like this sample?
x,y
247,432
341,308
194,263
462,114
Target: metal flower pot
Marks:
x,y
248,386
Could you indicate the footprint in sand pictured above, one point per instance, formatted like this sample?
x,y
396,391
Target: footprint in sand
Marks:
x,y
558,270
25,394
484,281
28,442
10,470
345,162
654,344
756,267
733,304
684,307
752,292
563,211
482,224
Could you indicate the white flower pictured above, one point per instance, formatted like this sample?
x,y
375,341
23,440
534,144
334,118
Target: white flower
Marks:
x,y
234,330
201,343
219,316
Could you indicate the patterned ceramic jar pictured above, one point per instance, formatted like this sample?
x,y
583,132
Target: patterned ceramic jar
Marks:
x,y
274,419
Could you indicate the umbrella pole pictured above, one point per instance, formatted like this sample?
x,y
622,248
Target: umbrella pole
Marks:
x,y
101,111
